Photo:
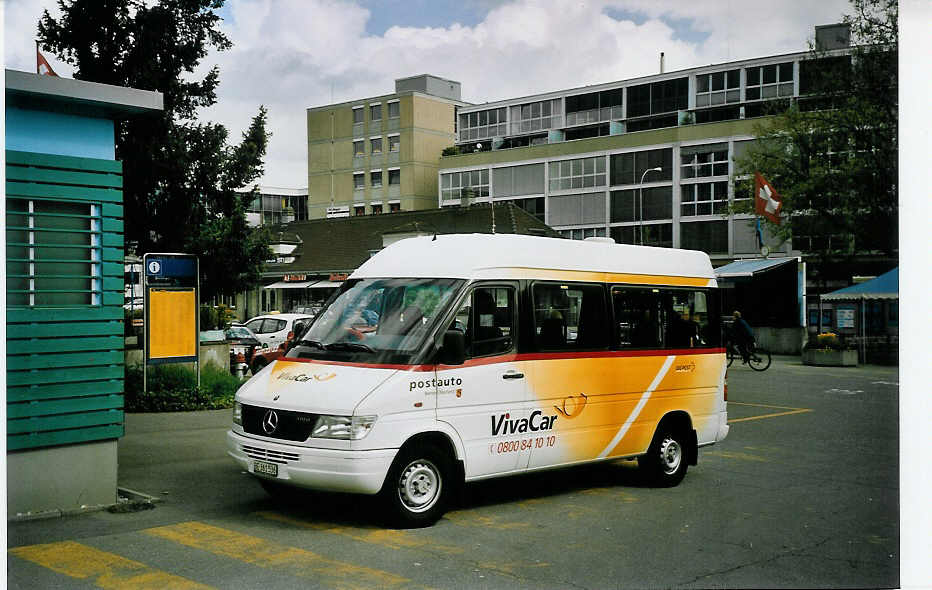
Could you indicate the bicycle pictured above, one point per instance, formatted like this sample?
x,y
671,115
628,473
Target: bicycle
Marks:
x,y
758,358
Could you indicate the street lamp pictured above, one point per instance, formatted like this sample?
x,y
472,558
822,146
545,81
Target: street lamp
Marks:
x,y
641,200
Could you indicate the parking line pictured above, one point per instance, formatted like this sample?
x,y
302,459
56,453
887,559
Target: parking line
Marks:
x,y
390,538
281,558
106,570
790,411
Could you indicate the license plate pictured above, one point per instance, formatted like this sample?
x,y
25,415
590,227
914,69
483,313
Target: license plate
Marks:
x,y
265,468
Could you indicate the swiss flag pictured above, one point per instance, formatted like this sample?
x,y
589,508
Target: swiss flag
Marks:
x,y
42,66
767,201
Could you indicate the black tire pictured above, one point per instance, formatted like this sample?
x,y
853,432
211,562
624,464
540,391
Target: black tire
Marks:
x,y
759,359
257,365
666,461
419,486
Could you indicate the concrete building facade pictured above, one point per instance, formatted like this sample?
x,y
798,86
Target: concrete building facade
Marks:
x,y
380,154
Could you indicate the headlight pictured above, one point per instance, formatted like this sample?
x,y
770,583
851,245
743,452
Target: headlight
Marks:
x,y
343,427
237,413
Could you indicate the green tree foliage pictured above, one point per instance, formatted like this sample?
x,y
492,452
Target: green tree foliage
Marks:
x,y
180,175
833,154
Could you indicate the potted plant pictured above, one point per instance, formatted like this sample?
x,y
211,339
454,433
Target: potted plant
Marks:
x,y
829,350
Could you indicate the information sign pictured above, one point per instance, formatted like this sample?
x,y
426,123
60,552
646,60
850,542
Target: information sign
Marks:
x,y
171,304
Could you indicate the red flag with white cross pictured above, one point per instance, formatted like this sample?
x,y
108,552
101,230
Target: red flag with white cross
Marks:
x,y
767,201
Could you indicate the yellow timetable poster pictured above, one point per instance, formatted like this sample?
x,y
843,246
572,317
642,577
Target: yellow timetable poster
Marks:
x,y
172,323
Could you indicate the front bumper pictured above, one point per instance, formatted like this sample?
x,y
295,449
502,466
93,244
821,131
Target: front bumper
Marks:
x,y
359,472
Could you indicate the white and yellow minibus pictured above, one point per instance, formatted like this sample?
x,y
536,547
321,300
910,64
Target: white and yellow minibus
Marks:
x,y
456,358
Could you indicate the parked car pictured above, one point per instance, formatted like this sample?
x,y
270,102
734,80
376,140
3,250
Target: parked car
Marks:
x,y
274,333
311,310
243,345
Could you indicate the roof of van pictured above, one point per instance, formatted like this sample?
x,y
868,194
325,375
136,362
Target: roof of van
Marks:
x,y
470,256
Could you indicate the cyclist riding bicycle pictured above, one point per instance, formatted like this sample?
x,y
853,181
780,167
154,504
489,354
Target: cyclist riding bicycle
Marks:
x,y
743,336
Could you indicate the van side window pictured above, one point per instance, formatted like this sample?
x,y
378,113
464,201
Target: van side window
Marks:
x,y
487,317
664,318
638,317
569,316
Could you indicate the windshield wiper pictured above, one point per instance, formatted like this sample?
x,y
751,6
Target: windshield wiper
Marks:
x,y
347,346
313,343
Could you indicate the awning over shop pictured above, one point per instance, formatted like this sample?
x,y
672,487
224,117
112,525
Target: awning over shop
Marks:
x,y
750,267
886,286
289,285
325,284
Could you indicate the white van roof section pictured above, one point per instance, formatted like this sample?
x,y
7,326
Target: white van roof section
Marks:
x,y
509,256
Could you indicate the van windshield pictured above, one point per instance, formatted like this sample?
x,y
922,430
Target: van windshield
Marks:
x,y
378,320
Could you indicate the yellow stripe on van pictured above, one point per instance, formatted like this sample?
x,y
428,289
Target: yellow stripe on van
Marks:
x,y
592,276
275,556
103,569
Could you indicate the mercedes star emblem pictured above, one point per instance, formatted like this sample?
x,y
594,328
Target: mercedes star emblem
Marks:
x,y
270,422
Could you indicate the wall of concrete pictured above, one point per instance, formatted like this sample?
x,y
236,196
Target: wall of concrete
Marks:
x,y
781,340
61,480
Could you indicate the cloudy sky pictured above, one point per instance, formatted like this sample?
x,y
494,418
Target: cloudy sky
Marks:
x,y
293,54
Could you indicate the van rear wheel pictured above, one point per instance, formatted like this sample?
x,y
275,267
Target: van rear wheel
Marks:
x,y
418,487
666,462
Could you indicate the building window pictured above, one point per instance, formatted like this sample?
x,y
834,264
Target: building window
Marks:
x,y
483,124
375,145
594,107
53,253
577,209
651,203
511,181
357,115
718,88
536,116
705,198
359,180
704,160
652,234
394,177
658,97
775,80
583,232
394,143
375,112
709,236
631,167
574,174
470,184
394,110
375,178
359,147
376,209
394,207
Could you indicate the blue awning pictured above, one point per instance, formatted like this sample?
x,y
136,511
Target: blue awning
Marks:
x,y
886,286
749,267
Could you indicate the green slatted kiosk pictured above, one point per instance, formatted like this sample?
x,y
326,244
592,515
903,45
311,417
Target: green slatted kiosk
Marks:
x,y
64,290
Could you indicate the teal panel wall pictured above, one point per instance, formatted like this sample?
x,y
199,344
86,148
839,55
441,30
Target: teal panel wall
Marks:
x,y
65,364
59,133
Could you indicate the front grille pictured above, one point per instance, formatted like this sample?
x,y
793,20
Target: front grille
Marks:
x,y
296,426
269,455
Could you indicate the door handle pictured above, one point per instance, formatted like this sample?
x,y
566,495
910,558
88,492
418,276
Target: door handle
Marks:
x,y
513,375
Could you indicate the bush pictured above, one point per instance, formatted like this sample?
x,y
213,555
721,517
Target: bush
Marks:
x,y
826,341
216,317
172,388
128,316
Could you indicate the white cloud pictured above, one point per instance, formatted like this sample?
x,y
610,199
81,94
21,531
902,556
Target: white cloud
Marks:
x,y
292,54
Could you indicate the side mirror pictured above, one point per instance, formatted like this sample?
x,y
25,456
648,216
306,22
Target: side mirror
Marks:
x,y
453,349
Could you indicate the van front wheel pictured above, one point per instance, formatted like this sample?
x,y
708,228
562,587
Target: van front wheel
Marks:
x,y
418,487
665,463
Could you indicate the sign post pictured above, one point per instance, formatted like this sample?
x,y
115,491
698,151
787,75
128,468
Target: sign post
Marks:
x,y
172,303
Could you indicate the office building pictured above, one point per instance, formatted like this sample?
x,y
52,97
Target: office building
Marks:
x,y
380,154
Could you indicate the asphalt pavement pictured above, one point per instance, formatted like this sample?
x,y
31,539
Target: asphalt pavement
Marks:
x,y
803,493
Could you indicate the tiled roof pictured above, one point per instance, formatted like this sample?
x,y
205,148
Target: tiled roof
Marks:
x,y
340,245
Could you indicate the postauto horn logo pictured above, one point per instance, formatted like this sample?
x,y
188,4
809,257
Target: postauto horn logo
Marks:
x,y
504,425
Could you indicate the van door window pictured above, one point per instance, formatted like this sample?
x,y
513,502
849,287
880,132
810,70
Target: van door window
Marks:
x,y
570,316
487,317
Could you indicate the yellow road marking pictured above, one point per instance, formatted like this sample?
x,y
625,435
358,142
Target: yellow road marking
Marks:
x,y
764,406
467,518
281,558
393,539
106,570
799,411
744,456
